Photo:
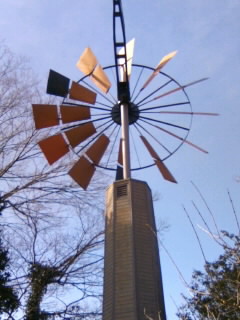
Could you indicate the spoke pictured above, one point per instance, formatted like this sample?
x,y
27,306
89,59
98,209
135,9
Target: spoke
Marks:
x,y
111,133
104,104
87,106
165,106
115,100
82,123
138,130
177,89
135,87
101,125
165,148
177,137
96,136
191,113
184,113
135,149
97,91
109,92
114,142
99,114
139,103
166,123
114,78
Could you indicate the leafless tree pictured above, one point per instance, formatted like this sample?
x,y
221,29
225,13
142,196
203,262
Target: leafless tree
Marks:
x,y
52,228
57,265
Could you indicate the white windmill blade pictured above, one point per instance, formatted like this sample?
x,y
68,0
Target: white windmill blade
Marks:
x,y
87,62
129,53
158,68
100,79
89,65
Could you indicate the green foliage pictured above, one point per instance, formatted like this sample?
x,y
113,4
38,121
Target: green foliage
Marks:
x,y
8,298
216,291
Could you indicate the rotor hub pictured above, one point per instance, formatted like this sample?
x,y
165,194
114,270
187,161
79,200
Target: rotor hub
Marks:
x,y
133,113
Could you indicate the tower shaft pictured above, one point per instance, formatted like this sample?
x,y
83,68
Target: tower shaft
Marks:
x,y
125,141
132,276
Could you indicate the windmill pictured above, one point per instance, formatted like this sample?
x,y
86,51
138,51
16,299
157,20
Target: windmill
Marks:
x,y
108,124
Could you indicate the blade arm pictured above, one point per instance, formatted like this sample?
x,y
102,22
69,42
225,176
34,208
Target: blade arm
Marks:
x,y
179,88
176,136
165,106
166,123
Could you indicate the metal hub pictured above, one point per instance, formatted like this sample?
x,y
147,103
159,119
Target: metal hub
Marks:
x,y
133,113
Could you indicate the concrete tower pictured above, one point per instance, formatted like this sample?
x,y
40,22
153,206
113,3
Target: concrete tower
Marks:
x,y
132,276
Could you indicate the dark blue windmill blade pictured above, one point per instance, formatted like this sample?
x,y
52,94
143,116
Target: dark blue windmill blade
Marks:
x,y
119,173
58,84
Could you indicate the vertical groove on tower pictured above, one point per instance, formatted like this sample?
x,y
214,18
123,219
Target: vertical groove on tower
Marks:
x,y
132,275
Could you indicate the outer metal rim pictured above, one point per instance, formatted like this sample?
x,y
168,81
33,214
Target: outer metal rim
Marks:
x,y
190,123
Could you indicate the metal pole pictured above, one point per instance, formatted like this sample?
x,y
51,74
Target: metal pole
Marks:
x,y
125,141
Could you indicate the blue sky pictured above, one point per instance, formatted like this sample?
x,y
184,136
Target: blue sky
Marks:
x,y
53,34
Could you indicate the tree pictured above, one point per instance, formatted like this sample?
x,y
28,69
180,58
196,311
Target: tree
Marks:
x,y
52,228
215,292
57,269
8,298
27,181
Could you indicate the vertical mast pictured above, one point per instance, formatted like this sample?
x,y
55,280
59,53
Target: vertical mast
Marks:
x,y
119,41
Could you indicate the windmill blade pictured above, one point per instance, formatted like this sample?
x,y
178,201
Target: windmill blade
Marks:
x,y
79,134
97,150
100,79
73,114
179,88
82,172
58,84
158,68
87,62
81,93
45,115
164,171
129,53
161,166
120,158
54,148
119,172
